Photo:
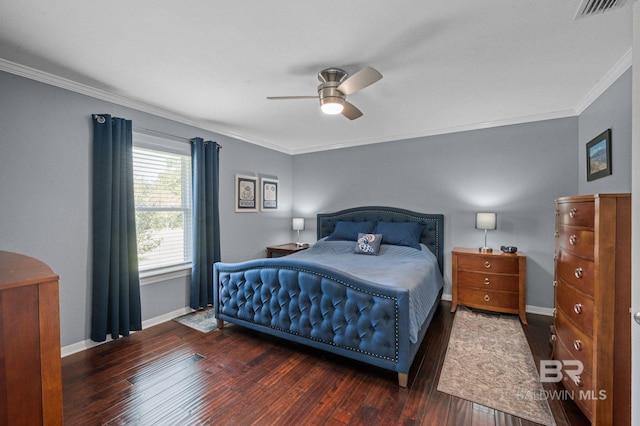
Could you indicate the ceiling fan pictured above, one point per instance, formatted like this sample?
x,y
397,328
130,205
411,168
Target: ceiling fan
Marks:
x,y
335,85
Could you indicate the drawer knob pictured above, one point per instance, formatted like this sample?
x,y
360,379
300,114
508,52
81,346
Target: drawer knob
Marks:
x,y
573,213
577,308
573,240
555,283
577,344
553,338
578,381
578,273
486,281
487,264
486,298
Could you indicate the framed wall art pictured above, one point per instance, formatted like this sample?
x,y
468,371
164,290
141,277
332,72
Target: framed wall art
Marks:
x,y
269,194
599,156
246,193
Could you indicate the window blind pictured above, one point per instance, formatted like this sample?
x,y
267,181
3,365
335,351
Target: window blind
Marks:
x,y
162,189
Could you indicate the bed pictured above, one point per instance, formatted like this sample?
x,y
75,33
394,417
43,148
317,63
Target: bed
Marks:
x,y
371,308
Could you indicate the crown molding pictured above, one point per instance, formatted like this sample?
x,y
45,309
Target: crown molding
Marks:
x,y
33,74
446,130
83,89
605,82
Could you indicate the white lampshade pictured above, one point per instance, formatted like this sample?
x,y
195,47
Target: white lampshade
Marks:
x,y
298,224
486,220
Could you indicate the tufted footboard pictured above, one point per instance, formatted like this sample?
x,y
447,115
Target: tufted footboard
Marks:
x,y
319,307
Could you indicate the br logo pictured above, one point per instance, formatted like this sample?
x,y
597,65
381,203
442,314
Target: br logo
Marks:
x,y
551,370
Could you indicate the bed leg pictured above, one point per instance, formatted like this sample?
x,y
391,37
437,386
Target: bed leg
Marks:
x,y
219,323
403,380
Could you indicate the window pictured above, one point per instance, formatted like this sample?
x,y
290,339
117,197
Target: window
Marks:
x,y
162,189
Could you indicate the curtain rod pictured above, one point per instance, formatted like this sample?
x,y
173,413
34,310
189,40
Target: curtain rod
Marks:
x,y
166,135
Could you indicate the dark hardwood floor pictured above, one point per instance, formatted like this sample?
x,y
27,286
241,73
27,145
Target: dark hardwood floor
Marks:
x,y
170,374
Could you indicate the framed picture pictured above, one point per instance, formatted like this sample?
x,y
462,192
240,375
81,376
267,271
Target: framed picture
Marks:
x,y
599,156
269,194
246,193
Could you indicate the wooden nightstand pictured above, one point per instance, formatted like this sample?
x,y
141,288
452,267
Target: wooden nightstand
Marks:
x,y
285,249
491,281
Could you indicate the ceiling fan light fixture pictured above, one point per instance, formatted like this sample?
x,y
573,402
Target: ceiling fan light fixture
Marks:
x,y
335,85
332,105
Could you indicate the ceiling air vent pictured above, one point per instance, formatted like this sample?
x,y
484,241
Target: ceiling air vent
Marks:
x,y
593,7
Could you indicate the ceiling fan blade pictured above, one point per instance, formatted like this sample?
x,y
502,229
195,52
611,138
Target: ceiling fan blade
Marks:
x,y
350,111
276,98
358,81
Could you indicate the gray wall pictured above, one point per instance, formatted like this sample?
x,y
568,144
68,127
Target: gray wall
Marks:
x,y
612,110
517,171
45,184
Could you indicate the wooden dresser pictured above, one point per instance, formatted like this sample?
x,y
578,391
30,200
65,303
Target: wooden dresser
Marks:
x,y
592,322
491,281
30,364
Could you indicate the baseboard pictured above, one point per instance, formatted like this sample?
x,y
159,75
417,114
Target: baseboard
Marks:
x,y
88,344
539,310
531,309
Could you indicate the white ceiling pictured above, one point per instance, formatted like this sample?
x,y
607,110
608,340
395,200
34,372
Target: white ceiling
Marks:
x,y
447,65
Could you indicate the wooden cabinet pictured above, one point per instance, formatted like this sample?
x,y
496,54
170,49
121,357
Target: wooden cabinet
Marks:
x,y
30,364
490,281
592,297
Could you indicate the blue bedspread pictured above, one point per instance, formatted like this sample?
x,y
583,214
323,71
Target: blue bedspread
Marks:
x,y
396,266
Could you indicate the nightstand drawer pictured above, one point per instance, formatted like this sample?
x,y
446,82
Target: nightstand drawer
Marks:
x,y
497,264
575,270
576,306
488,281
575,240
503,301
576,214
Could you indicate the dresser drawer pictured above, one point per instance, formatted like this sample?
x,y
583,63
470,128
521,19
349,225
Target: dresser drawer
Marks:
x,y
492,264
575,270
488,281
579,345
580,386
575,240
576,306
502,301
576,214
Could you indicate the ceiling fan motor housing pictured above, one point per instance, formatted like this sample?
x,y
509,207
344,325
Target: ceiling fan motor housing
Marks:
x,y
332,74
328,92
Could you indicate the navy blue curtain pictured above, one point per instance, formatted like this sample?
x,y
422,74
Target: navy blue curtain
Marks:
x,y
116,285
206,220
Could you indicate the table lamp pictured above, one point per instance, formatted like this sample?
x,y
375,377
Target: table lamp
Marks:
x,y
486,221
298,225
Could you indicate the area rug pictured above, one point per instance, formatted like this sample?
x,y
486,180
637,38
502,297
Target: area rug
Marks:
x,y
489,362
201,320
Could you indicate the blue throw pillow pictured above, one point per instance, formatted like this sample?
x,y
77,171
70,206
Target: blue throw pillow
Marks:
x,y
368,243
349,230
400,233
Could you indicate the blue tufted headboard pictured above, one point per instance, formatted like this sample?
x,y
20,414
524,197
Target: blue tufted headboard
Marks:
x,y
432,235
